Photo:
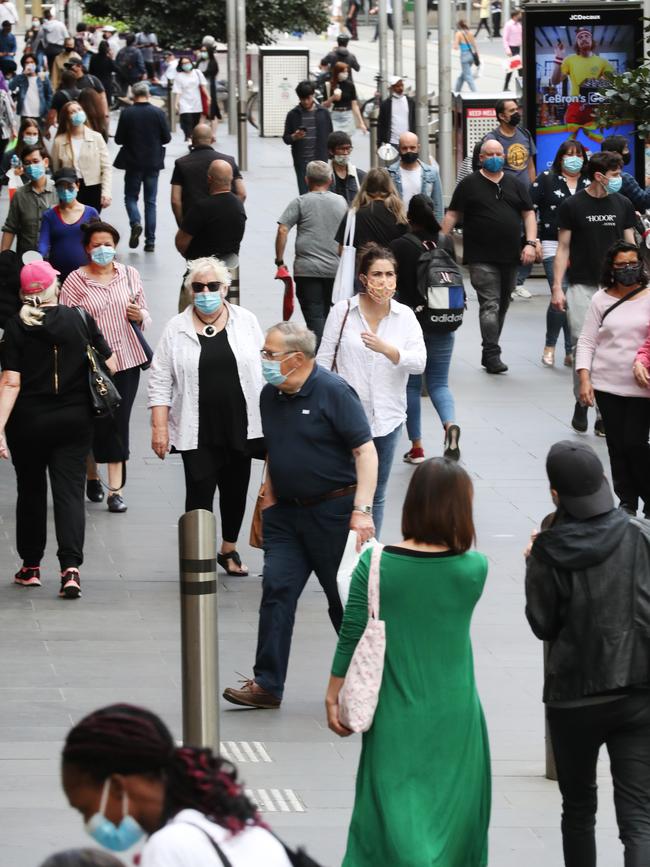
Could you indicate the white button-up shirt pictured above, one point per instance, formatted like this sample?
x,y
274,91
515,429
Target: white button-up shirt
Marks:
x,y
174,373
380,384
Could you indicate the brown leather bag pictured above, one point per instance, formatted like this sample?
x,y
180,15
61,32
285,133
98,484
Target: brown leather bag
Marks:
x,y
255,539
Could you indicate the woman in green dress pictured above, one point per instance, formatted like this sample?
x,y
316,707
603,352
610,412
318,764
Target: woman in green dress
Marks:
x,y
423,785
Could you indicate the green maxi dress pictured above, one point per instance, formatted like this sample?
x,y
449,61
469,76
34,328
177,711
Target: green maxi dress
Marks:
x,y
423,788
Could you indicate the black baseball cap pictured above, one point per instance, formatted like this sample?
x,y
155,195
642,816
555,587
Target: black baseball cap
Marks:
x,y
576,473
70,64
65,175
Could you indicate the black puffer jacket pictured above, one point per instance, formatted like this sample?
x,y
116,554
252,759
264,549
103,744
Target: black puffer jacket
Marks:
x,y
588,593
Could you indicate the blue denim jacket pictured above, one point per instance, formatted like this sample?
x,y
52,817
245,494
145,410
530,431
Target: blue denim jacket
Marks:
x,y
18,86
431,185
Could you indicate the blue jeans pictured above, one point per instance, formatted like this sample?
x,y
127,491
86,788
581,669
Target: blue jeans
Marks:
x,y
298,540
132,182
465,72
436,373
385,446
556,320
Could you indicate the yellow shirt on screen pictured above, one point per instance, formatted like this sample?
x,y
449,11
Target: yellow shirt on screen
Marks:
x,y
578,68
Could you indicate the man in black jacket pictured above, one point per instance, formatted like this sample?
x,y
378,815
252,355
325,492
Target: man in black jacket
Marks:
x,y
588,595
341,54
396,114
306,129
142,130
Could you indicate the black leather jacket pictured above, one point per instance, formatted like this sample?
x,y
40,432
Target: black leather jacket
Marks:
x,y
588,594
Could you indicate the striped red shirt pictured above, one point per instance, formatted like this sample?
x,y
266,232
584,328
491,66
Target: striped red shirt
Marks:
x,y
107,303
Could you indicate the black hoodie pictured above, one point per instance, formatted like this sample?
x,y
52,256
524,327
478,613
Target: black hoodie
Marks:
x,y
588,594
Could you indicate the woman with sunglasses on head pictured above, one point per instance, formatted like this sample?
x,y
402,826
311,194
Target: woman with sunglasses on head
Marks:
x,y
113,294
204,390
606,362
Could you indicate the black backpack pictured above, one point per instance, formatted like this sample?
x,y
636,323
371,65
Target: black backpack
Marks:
x,y
440,286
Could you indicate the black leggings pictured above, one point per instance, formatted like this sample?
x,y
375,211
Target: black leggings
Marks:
x,y
627,423
210,467
188,121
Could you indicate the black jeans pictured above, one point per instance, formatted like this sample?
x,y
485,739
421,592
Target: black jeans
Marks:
x,y
300,168
298,540
577,735
63,456
627,425
494,284
315,297
210,467
188,121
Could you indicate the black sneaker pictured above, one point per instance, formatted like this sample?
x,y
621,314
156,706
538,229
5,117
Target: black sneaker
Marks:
x,y
70,584
452,435
136,231
94,491
28,576
116,503
149,248
495,365
599,428
579,421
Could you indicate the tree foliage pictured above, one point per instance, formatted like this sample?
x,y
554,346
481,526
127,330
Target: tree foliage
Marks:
x,y
183,23
628,100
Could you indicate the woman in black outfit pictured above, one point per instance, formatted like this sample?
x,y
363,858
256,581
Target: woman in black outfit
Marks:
x,y
425,229
379,211
209,66
45,407
103,66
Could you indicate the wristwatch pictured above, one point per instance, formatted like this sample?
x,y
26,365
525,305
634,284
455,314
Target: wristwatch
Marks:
x,y
531,243
365,510
279,262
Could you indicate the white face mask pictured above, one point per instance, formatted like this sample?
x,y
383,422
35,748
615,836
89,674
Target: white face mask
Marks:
x,y
343,76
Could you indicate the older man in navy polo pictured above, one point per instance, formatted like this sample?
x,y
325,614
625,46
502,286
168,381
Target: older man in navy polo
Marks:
x,y
322,474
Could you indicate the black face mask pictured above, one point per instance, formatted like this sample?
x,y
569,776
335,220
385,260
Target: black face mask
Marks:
x,y
626,158
409,157
628,275
514,120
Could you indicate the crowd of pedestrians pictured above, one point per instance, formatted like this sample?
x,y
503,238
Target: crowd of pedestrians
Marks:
x,y
325,405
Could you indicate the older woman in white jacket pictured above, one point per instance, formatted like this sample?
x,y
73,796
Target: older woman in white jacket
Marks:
x,y
204,388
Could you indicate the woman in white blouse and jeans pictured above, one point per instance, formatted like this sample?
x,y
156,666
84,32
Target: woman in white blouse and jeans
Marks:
x,y
375,344
204,391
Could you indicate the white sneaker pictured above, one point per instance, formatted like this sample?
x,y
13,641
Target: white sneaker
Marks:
x,y
521,292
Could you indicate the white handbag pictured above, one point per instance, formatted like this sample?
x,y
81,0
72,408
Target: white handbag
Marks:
x,y
344,281
360,691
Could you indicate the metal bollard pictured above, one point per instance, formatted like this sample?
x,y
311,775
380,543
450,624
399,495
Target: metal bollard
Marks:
x,y
197,548
171,114
551,770
374,123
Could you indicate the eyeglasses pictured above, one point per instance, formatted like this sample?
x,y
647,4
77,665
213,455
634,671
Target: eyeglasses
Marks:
x,y
342,151
267,355
499,192
212,286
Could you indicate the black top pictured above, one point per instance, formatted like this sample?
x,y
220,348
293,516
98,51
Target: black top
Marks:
x,y
142,130
216,225
341,54
407,256
491,212
91,81
347,186
548,191
61,97
595,225
323,126
51,361
223,419
408,552
315,429
374,223
191,173
348,94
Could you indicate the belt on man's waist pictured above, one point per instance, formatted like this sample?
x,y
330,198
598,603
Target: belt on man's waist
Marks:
x,y
343,109
322,498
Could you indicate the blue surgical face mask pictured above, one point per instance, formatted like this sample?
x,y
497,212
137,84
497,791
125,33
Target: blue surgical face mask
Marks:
x,y
30,140
272,373
66,195
103,255
493,164
614,185
77,118
208,302
35,171
572,164
117,838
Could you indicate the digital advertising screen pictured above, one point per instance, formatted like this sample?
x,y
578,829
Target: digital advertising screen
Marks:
x,y
569,49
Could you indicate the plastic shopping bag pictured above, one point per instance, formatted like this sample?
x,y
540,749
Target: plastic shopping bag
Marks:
x,y
348,564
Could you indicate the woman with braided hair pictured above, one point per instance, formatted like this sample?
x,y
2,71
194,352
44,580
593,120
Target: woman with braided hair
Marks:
x,y
122,770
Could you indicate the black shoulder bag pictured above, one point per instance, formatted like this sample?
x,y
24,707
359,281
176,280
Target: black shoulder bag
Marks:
x,y
297,859
142,340
104,396
620,301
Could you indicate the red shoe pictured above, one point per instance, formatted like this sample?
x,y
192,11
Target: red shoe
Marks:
x,y
28,576
70,584
414,456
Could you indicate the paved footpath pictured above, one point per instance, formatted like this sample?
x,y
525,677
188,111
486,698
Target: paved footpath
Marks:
x,y
120,642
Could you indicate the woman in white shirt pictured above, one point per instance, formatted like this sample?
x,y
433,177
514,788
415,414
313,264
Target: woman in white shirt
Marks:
x,y
375,343
204,389
191,91
122,771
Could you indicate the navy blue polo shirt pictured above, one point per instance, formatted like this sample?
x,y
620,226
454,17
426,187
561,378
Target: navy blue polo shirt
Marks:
x,y
310,435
